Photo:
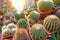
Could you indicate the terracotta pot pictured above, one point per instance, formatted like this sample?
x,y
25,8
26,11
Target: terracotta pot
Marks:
x,y
44,14
7,37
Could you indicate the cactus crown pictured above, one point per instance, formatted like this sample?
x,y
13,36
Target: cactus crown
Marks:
x,y
22,23
37,31
34,15
45,5
21,34
51,23
19,16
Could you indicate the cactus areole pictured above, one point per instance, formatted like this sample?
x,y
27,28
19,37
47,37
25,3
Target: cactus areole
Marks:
x,y
45,5
51,23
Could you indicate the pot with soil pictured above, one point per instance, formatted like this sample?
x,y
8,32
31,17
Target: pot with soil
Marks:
x,y
45,7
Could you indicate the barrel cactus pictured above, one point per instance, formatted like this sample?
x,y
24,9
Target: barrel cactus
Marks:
x,y
7,22
37,31
58,13
34,16
21,34
12,27
19,16
57,2
6,32
45,5
22,23
4,27
51,23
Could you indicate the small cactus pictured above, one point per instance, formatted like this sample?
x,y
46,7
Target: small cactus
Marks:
x,y
12,27
19,16
37,31
51,23
34,15
22,23
6,32
45,5
21,34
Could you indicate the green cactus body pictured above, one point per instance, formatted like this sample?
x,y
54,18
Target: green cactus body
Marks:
x,y
22,23
12,28
58,14
31,21
7,22
4,27
37,31
19,16
51,23
34,15
6,32
21,34
45,5
57,2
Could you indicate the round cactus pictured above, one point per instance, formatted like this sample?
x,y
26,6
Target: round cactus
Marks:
x,y
4,27
37,31
6,32
57,2
21,34
45,5
22,23
7,22
19,16
34,15
58,13
51,23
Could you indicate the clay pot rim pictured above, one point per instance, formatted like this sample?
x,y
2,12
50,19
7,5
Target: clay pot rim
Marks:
x,y
44,11
8,36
